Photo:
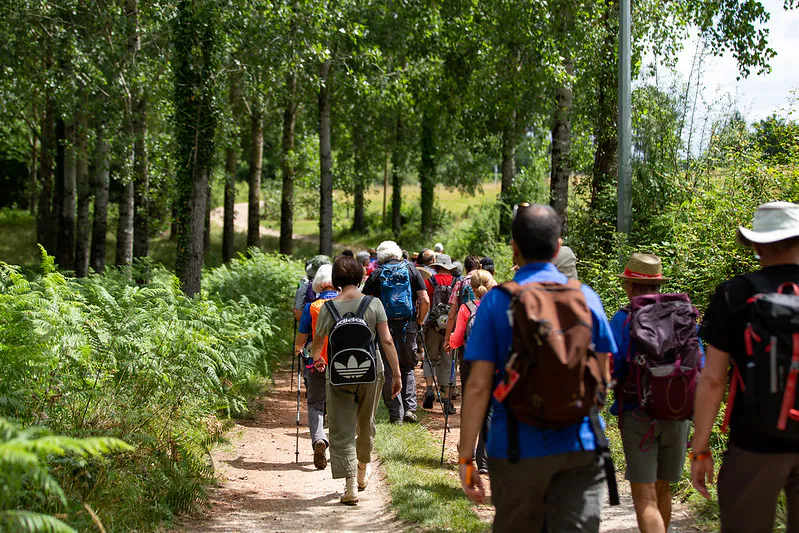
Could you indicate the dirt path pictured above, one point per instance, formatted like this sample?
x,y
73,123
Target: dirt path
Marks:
x,y
262,489
240,224
619,519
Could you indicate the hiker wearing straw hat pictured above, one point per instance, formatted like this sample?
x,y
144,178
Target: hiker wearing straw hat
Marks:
x,y
752,322
649,332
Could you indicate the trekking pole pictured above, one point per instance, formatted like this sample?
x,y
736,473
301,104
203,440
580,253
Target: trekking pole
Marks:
x,y
299,386
293,355
432,372
449,403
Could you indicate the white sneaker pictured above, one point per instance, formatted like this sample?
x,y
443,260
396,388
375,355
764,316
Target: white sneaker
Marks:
x,y
364,475
350,496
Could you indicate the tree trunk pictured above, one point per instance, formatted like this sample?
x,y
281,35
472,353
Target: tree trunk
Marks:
x,y
385,188
508,175
100,223
325,165
287,168
84,192
561,149
66,227
58,185
207,228
124,253
32,177
606,139
254,179
141,180
44,228
228,229
195,41
361,166
427,171
396,183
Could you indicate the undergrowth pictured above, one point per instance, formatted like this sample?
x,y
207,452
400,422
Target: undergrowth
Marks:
x,y
108,357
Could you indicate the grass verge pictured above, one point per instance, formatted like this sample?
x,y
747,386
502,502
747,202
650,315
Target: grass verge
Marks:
x,y
424,494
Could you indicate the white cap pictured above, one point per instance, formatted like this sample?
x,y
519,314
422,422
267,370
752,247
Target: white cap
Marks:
x,y
773,222
438,248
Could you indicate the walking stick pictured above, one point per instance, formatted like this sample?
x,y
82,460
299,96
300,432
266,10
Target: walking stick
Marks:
x,y
432,371
449,402
293,355
299,386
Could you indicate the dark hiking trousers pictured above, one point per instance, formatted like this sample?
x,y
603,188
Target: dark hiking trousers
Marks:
x,y
749,485
317,397
565,489
404,335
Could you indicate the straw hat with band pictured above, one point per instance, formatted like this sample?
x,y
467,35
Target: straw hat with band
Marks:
x,y
773,222
645,269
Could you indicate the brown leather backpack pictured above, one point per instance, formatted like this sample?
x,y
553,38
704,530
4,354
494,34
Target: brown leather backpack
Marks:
x,y
560,378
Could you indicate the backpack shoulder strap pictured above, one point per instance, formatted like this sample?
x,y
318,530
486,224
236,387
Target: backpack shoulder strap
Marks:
x,y
471,306
511,288
434,281
454,282
365,301
333,310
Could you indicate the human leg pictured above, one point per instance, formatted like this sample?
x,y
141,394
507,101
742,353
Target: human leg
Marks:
x,y
342,422
748,486
672,448
663,489
367,399
641,448
647,510
518,492
395,408
317,395
406,352
574,497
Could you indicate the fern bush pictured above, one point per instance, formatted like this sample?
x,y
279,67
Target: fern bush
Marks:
x,y
105,357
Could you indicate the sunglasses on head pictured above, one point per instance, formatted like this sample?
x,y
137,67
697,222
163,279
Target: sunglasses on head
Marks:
x,y
517,207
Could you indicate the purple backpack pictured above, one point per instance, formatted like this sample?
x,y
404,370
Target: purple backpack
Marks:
x,y
664,355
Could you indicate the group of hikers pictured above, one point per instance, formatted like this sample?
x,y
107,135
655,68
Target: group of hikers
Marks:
x,y
538,358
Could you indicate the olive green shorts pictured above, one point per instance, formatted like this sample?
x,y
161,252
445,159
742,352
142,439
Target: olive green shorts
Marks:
x,y
653,453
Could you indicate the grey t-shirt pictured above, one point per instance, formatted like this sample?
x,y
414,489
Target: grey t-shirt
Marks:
x,y
375,314
299,296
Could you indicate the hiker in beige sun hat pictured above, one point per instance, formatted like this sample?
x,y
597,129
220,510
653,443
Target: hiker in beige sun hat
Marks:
x,y
773,222
644,269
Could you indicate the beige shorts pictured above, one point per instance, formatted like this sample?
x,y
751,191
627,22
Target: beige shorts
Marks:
x,y
653,453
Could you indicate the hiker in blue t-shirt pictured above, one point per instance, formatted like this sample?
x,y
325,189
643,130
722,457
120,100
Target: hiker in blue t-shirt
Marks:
x,y
558,477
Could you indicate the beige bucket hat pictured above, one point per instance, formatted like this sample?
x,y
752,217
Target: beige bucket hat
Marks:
x,y
646,269
773,222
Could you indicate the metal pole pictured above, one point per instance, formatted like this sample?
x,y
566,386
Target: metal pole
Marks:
x,y
625,120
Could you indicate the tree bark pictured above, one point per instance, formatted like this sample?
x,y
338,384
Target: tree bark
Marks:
x,y
32,174
100,223
561,149
427,171
84,192
508,175
325,165
58,186
124,252
361,164
287,168
396,182
605,169
66,227
44,228
207,227
228,229
254,179
141,180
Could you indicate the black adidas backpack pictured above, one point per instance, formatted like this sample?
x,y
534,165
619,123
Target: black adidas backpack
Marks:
x,y
352,358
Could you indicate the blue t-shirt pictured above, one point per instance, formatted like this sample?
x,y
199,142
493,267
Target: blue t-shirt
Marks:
x,y
306,323
491,339
621,332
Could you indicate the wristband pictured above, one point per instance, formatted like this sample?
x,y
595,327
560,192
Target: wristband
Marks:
x,y
465,460
700,456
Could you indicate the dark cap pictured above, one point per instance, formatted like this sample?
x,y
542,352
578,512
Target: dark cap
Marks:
x,y
487,263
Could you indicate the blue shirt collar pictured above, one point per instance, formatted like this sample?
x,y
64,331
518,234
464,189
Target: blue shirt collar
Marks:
x,y
532,268
328,294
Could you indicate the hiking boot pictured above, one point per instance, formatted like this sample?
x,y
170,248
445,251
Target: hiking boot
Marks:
x,y
449,407
319,455
364,475
429,399
350,496
396,421
410,416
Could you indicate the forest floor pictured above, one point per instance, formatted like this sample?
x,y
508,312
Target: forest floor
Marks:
x,y
240,223
262,488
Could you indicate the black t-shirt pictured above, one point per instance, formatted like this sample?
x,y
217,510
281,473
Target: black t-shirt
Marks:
x,y
372,286
723,328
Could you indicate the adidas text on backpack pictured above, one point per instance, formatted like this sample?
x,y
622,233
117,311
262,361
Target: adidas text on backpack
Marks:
x,y
351,347
395,290
664,356
768,382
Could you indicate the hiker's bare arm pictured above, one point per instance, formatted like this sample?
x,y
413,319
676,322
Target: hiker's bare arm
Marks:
x,y
453,316
475,403
391,356
709,394
297,314
299,342
424,306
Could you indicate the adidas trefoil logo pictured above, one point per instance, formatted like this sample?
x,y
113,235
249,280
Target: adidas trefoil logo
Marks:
x,y
353,370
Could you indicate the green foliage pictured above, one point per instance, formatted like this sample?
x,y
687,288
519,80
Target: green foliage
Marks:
x,y
108,359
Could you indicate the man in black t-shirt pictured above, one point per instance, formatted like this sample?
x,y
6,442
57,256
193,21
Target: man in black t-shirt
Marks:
x,y
403,407
757,465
